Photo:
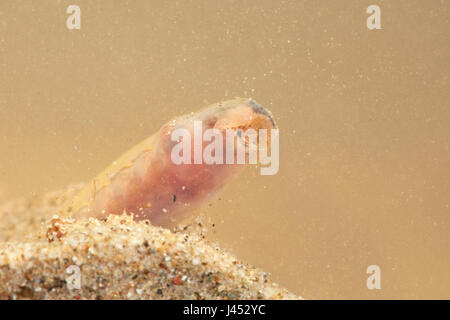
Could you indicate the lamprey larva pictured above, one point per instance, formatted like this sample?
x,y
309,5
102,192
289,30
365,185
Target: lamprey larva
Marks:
x,y
147,182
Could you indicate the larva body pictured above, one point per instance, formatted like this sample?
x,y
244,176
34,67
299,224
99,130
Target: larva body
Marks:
x,y
147,183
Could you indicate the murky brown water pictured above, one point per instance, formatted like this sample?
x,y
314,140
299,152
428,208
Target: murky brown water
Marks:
x,y
363,115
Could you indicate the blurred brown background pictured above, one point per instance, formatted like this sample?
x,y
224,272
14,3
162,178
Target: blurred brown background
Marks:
x,y
364,123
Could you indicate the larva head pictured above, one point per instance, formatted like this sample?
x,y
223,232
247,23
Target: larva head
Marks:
x,y
244,114
237,115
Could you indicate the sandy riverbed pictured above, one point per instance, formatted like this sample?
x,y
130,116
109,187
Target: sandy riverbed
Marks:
x,y
117,258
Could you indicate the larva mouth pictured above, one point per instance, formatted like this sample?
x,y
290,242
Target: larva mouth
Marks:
x,y
244,114
259,109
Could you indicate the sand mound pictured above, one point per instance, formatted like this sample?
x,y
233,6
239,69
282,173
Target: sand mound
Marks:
x,y
43,256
